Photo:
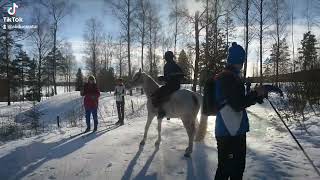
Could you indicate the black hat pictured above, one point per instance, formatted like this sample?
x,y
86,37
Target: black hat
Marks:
x,y
168,55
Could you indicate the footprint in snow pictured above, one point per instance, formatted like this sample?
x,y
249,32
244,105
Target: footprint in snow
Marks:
x,y
181,172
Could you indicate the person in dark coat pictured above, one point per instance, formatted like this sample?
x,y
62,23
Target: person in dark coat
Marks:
x,y
232,122
91,95
172,78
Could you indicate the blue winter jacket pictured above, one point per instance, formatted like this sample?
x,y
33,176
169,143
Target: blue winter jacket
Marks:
x,y
232,119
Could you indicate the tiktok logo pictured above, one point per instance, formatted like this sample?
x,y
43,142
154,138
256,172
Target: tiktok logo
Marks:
x,y
12,10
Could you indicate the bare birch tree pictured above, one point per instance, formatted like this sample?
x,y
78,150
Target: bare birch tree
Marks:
x,y
58,10
279,18
92,37
123,10
41,39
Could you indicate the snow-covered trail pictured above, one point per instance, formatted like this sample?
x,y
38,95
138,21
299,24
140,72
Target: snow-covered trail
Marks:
x,y
114,153
272,153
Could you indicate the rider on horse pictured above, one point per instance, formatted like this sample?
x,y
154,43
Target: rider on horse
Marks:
x,y
172,78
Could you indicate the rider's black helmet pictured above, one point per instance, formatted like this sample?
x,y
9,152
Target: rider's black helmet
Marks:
x,y
168,56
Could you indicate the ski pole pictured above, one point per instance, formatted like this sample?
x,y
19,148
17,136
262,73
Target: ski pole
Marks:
x,y
293,136
81,112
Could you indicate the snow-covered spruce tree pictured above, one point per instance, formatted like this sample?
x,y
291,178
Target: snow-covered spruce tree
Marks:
x,y
186,65
8,40
79,80
282,59
24,72
216,57
308,62
267,67
31,77
308,52
106,80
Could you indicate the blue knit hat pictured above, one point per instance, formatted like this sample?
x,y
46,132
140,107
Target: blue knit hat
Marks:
x,y
236,54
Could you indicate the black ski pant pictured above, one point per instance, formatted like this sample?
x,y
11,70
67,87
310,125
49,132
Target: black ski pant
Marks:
x,y
231,157
161,94
120,109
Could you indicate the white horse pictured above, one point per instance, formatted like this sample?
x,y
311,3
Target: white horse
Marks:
x,y
182,104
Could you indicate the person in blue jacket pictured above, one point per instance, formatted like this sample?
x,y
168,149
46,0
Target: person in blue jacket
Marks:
x,y
173,75
232,122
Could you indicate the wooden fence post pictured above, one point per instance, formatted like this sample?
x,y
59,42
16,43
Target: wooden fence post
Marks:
x,y
132,106
58,121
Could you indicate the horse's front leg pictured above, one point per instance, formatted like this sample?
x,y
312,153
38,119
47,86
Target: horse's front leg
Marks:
x,y
159,132
146,128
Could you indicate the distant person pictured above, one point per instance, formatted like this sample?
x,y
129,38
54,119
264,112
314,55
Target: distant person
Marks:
x,y
232,122
91,95
120,92
173,75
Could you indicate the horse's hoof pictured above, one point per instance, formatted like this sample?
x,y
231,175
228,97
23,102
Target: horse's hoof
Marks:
x,y
187,155
142,143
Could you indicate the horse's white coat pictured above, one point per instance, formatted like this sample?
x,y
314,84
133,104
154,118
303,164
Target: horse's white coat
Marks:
x,y
180,105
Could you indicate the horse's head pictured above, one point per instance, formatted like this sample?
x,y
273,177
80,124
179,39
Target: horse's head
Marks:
x,y
137,80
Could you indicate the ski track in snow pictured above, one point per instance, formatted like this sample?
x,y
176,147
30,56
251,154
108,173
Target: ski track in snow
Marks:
x,y
114,153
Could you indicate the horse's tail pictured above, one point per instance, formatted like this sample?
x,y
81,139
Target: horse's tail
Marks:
x,y
202,128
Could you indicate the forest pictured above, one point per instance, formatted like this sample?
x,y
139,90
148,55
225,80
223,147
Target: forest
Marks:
x,y
279,37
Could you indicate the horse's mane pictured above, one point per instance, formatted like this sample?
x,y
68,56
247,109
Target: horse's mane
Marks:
x,y
150,84
150,78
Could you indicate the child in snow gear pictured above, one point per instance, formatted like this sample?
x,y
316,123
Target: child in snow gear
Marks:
x,y
172,78
120,92
91,95
232,123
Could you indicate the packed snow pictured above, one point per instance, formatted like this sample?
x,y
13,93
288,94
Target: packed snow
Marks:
x,y
114,152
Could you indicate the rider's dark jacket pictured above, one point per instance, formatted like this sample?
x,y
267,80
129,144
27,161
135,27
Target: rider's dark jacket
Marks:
x,y
172,74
